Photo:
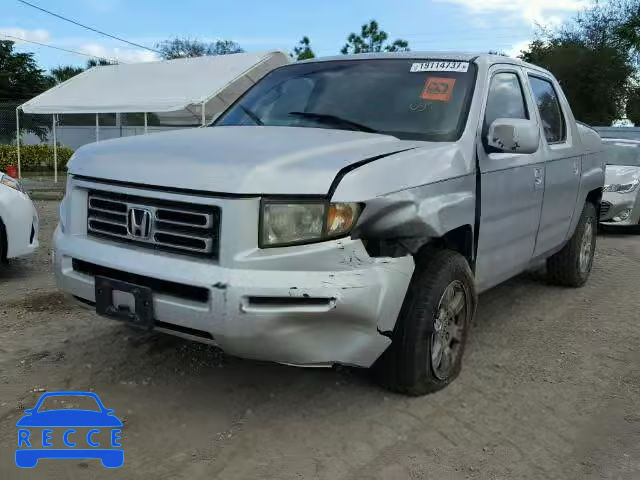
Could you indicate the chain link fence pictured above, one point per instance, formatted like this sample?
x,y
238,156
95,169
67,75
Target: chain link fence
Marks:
x,y
35,137
35,129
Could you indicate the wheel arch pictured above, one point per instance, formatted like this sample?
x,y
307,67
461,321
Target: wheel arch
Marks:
x,y
439,215
595,196
459,239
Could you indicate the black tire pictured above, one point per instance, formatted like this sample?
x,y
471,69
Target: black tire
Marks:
x,y
407,366
565,267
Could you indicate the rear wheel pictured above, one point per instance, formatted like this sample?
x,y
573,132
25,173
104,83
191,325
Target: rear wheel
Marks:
x,y
431,332
572,265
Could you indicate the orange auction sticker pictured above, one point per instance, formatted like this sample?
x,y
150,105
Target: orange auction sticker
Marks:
x,y
438,89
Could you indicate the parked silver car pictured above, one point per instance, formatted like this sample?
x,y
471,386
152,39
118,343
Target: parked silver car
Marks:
x,y
621,202
343,211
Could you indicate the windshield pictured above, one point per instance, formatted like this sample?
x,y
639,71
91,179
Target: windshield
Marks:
x,y
622,153
390,96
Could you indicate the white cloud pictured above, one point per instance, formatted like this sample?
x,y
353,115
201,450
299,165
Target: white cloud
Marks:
x,y
125,55
533,11
517,47
37,35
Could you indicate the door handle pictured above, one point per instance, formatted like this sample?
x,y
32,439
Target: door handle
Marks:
x,y
538,178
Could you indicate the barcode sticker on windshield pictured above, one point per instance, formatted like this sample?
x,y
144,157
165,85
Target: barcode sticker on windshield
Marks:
x,y
440,66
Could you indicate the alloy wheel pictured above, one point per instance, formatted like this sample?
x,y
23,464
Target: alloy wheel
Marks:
x,y
449,325
586,248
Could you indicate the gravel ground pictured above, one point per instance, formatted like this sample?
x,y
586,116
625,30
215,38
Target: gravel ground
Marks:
x,y
550,389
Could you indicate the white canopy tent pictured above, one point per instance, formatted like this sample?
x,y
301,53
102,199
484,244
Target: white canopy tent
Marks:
x,y
201,86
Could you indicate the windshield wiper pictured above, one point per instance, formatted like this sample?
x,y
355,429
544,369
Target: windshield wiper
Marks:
x,y
251,114
334,120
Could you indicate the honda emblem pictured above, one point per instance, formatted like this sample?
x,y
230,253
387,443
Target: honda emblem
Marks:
x,y
139,223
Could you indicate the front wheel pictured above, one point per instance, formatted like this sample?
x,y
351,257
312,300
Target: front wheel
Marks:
x,y
432,328
572,265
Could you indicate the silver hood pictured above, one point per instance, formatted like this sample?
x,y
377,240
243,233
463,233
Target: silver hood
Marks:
x,y
235,159
621,174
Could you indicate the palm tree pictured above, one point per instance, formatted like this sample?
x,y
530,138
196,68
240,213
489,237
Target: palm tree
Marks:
x,y
63,73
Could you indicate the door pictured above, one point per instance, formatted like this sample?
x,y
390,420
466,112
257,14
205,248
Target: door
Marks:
x,y
563,166
511,186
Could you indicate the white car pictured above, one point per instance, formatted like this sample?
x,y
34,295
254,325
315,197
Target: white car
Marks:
x,y
18,220
621,200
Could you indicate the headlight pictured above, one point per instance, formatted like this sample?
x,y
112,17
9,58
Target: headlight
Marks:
x,y
295,222
622,188
11,182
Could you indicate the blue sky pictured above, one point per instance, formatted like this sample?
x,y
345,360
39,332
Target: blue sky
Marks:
x,y
476,25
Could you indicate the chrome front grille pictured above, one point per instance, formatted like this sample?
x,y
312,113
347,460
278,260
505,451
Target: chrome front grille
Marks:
x,y
161,224
604,209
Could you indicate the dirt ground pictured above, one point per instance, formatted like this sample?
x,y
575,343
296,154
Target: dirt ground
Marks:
x,y
550,389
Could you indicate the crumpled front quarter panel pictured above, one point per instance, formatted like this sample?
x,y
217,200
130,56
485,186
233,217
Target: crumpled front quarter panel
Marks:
x,y
422,193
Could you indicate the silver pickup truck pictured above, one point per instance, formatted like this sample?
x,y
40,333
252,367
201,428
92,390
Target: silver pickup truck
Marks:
x,y
344,210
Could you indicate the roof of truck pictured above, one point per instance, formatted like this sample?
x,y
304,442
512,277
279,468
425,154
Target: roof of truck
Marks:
x,y
480,58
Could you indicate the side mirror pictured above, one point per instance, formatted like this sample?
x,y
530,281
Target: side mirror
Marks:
x,y
514,135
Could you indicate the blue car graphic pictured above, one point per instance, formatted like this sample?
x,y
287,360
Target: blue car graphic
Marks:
x,y
28,452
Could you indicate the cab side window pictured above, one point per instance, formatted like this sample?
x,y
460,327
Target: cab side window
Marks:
x,y
555,128
505,99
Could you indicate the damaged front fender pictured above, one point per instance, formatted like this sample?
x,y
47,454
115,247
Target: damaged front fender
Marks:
x,y
414,196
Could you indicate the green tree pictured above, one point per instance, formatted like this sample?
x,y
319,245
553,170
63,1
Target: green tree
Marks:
x,y
63,73
224,47
613,23
20,76
20,80
181,48
186,47
303,50
595,80
593,58
372,39
633,106
99,62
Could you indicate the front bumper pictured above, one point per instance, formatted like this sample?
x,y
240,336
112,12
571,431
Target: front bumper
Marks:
x,y
332,312
613,204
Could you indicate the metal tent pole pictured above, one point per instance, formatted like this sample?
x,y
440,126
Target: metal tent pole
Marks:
x,y
119,122
55,150
145,123
18,141
97,129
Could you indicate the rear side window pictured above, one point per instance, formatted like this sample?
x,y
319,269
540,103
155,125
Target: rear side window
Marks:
x,y
555,129
505,99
